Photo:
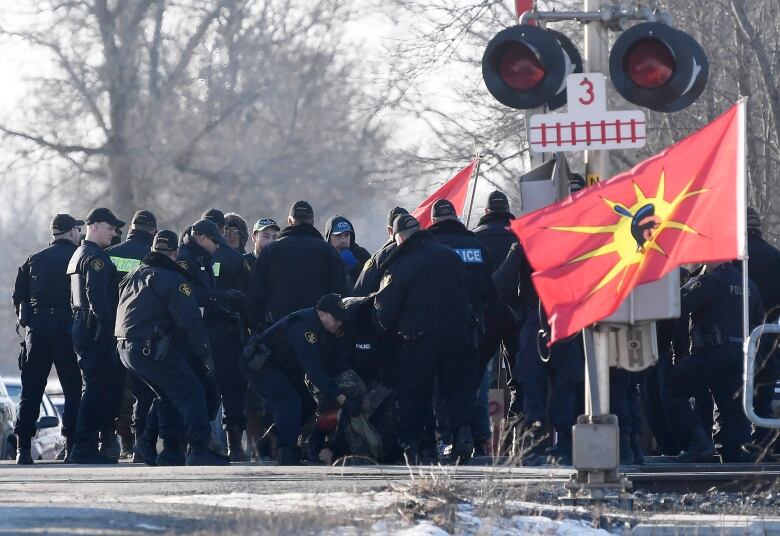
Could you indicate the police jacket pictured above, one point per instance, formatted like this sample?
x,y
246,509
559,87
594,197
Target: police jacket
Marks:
x,y
369,279
357,256
300,342
42,281
371,352
493,231
93,283
423,289
474,255
127,256
713,301
157,300
229,269
292,273
764,271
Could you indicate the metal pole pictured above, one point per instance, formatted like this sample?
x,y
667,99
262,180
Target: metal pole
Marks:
x,y
596,169
473,189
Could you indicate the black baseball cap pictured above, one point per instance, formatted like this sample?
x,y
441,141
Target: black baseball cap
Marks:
x,y
753,219
144,217
443,208
62,223
208,228
498,202
332,304
214,215
165,240
394,213
301,209
404,222
102,214
265,223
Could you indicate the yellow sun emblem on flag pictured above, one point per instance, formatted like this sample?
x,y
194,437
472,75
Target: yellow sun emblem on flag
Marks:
x,y
637,230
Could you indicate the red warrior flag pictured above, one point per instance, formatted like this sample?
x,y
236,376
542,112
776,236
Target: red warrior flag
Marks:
x,y
684,205
454,190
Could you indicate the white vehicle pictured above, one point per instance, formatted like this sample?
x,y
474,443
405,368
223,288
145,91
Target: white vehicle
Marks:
x,y
7,417
48,440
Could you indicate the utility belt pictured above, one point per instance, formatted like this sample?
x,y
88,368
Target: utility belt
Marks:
x,y
713,338
37,310
155,347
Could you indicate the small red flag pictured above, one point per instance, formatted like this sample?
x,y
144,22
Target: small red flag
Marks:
x,y
684,205
455,190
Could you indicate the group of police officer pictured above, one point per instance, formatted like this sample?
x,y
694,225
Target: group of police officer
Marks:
x,y
318,350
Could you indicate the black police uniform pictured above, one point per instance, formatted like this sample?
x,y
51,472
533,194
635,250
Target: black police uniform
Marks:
x,y
356,257
197,261
292,273
228,331
298,344
713,301
371,276
127,256
560,374
94,299
502,327
160,331
42,290
424,298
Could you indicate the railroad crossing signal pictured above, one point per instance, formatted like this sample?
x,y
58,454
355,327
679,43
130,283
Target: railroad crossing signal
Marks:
x,y
525,66
587,124
658,67
651,65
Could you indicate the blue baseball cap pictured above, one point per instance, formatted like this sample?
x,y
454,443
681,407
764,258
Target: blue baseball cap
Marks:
x,y
341,227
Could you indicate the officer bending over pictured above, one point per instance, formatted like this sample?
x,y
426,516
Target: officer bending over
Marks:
x,y
275,361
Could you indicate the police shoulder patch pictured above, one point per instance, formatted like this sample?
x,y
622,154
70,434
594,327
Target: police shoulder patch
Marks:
x,y
183,264
185,289
311,337
386,280
97,264
696,284
369,263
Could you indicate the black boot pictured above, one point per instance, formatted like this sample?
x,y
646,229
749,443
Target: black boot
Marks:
x,y
126,444
235,449
68,449
700,448
288,456
109,444
171,455
145,451
87,453
626,454
202,455
23,451
462,448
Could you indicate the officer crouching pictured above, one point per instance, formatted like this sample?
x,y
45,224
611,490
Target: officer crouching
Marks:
x,y
275,360
158,326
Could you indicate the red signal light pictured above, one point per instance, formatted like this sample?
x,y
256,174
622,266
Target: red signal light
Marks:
x,y
520,67
650,64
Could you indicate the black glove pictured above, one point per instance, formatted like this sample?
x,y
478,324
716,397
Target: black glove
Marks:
x,y
353,406
235,299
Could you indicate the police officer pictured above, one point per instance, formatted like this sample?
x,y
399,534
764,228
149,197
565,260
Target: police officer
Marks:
x,y
711,300
227,327
94,300
447,230
371,275
41,300
158,327
424,298
127,256
539,371
298,343
294,271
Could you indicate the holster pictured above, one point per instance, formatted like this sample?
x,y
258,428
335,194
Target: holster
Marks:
x,y
158,346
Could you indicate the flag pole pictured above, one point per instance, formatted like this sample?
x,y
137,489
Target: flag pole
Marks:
x,y
474,188
742,214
